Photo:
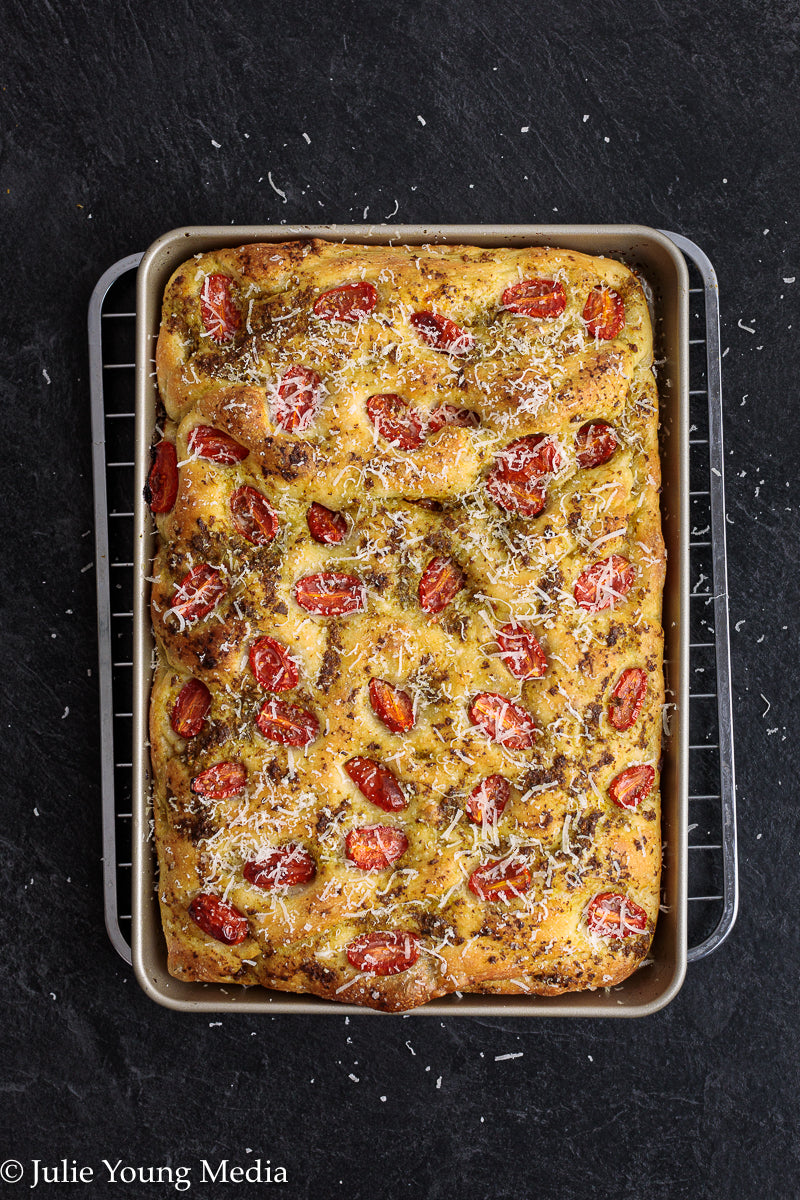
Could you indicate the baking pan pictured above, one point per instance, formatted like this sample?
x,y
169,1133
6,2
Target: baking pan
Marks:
x,y
663,268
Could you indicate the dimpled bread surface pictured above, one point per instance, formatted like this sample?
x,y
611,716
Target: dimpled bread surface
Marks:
x,y
561,840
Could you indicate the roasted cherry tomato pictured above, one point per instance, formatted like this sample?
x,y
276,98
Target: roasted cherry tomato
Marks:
x,y
162,482
348,302
299,396
331,594
287,724
527,500
441,333
604,313
285,866
529,459
595,443
253,515
198,593
517,480
373,847
503,721
383,953
391,705
207,442
325,525
627,698
219,919
604,583
632,786
395,421
536,298
441,581
610,914
273,665
448,414
503,879
220,782
487,800
190,709
220,315
377,783
521,652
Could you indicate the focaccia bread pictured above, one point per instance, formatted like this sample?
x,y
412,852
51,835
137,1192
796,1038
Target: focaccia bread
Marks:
x,y
406,715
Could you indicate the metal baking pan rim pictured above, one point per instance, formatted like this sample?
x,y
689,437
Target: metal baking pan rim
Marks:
x,y
650,988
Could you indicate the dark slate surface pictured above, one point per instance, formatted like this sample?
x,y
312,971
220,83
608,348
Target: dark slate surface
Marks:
x,y
123,121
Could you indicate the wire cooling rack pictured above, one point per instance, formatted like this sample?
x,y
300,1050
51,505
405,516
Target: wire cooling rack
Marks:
x,y
713,863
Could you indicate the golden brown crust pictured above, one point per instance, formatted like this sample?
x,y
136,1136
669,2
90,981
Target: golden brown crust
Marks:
x,y
522,377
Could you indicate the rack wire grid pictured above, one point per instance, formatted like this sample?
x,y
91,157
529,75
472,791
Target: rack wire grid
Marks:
x,y
713,863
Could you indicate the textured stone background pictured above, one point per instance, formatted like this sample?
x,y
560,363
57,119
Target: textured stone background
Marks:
x,y
121,121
